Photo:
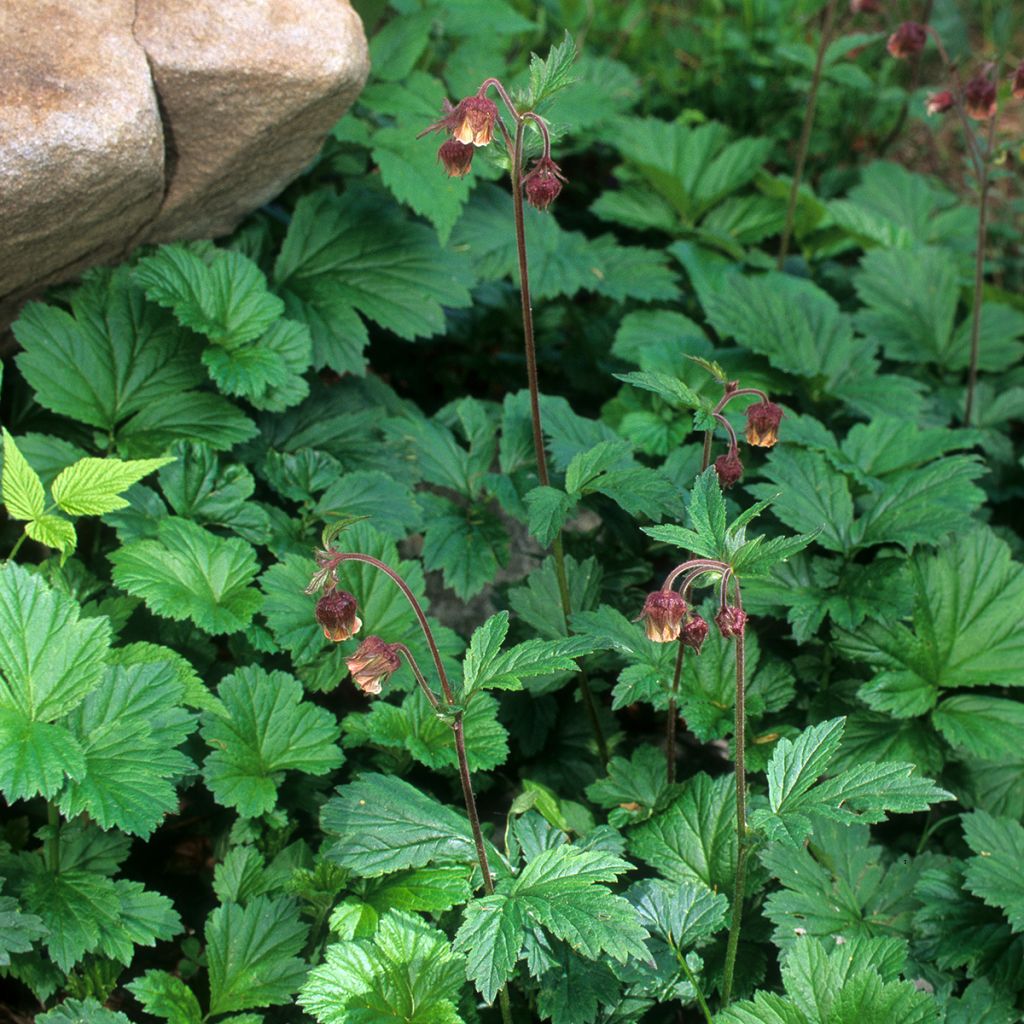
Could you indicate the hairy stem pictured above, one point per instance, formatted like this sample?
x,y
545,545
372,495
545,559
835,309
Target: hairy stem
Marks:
x,y
805,133
740,730
979,274
420,678
586,695
673,715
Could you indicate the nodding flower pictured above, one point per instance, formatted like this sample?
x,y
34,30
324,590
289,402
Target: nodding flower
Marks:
x,y
939,102
907,40
763,420
471,121
729,468
695,632
336,612
663,615
373,663
543,183
731,621
980,97
456,157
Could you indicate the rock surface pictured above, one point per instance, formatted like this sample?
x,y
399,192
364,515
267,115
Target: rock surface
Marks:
x,y
128,121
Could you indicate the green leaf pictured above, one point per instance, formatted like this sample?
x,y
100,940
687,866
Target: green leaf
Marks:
x,y
124,366
551,74
82,1011
634,789
359,252
673,390
985,727
190,573
381,824
166,996
128,730
267,729
92,487
54,532
222,295
22,488
486,666
586,466
469,545
17,930
994,874
431,889
548,508
558,890
962,635
252,954
864,791
406,972
695,838
685,914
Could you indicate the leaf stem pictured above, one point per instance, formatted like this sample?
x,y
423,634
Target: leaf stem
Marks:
x,y
533,383
979,272
692,979
805,133
742,848
17,546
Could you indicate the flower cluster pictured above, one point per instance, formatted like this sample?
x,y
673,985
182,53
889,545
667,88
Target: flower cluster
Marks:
x,y
471,122
762,430
336,611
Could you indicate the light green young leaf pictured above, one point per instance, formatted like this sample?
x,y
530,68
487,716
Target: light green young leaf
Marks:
x,y
55,533
190,573
267,729
92,487
994,873
222,294
252,954
22,488
553,73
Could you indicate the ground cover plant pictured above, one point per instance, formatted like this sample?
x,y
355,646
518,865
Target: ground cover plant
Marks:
x,y
556,562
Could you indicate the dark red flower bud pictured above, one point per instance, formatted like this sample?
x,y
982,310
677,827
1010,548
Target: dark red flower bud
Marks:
x,y
980,97
939,102
543,183
763,420
336,612
1017,82
729,468
456,158
374,661
695,632
731,621
907,40
663,615
865,6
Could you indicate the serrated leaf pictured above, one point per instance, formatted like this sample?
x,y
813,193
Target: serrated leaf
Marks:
x,y
553,73
54,532
22,489
491,936
166,996
987,727
129,729
92,487
634,789
222,295
267,729
359,252
406,972
252,954
381,823
190,573
695,838
82,1011
994,874
548,508
486,666
18,930
431,889
124,366
962,635
686,914
673,390
469,545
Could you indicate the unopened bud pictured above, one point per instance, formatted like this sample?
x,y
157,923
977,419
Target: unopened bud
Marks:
x,y
663,615
694,633
729,468
336,612
731,621
543,183
1017,82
